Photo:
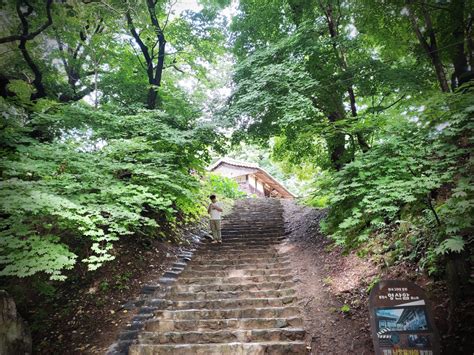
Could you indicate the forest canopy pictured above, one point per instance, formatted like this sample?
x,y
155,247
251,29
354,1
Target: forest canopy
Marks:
x,y
102,136
113,109
375,103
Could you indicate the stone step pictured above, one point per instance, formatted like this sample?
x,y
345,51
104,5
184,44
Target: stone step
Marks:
x,y
264,286
190,272
247,237
252,232
222,336
254,226
158,325
248,227
225,247
252,223
273,348
230,249
231,303
255,237
262,217
252,235
196,296
234,254
244,242
252,312
259,265
271,212
255,229
237,262
233,280
240,260
269,256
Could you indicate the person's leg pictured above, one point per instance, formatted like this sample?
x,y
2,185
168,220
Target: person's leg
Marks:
x,y
218,228
213,225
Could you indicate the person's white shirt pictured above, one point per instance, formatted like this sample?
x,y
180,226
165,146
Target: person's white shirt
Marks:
x,y
215,214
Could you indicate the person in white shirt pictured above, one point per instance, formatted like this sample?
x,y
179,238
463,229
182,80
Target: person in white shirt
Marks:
x,y
215,211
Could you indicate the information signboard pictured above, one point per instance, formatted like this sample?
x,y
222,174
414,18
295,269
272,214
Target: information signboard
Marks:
x,y
401,320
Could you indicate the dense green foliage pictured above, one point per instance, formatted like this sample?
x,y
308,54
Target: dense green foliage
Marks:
x,y
416,185
106,133
372,103
107,176
100,136
223,187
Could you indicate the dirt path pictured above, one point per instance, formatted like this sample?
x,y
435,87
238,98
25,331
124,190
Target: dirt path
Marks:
x,y
322,279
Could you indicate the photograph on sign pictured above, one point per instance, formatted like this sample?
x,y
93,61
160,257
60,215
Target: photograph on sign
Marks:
x,y
418,341
401,318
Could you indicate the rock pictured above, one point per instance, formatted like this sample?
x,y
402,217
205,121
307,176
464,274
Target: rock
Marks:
x,y
15,336
129,305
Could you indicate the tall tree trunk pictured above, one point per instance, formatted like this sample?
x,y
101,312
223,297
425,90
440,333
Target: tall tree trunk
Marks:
x,y
460,31
337,143
341,58
469,40
431,49
153,100
96,88
364,146
154,72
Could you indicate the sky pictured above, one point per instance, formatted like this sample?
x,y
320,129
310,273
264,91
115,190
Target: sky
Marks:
x,y
182,5
190,84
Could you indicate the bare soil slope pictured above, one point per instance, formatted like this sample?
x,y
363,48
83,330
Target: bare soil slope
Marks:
x,y
333,289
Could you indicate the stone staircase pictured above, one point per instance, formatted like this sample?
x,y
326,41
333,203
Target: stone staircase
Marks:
x,y
234,298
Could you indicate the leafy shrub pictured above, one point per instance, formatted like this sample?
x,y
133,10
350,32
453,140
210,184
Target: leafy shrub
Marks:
x,y
75,179
417,183
223,186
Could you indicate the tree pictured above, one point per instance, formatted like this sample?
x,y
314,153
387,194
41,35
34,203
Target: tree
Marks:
x,y
78,178
154,62
81,42
159,27
375,100
25,11
319,65
443,31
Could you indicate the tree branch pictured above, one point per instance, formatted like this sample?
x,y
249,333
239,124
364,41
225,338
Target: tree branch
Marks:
x,y
77,96
395,102
416,28
143,47
27,36
176,68
438,7
168,15
138,56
